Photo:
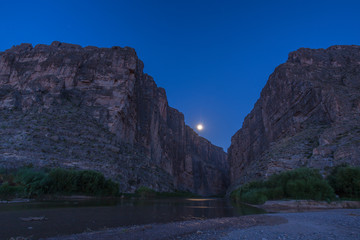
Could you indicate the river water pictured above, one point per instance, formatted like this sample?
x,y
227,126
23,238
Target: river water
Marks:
x,y
76,216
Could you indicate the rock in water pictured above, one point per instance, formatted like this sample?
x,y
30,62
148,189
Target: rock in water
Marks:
x,y
94,108
308,115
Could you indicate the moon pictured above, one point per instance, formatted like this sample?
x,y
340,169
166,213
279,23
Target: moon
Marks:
x,y
200,127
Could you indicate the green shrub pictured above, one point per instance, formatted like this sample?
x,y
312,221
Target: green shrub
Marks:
x,y
62,181
29,175
86,182
253,192
235,195
111,188
145,192
92,182
302,183
255,196
275,193
346,181
7,191
29,182
316,189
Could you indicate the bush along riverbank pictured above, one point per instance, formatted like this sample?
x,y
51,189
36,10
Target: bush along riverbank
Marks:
x,y
303,183
34,183
146,193
29,182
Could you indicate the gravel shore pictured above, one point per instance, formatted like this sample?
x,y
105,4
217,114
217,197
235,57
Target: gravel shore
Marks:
x,y
342,224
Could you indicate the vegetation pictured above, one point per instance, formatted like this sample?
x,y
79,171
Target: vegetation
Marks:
x,y
177,194
8,191
145,192
345,181
302,183
30,182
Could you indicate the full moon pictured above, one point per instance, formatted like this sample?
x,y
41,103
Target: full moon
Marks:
x,y
200,127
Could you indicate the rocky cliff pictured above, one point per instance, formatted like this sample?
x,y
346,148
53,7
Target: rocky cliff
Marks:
x,y
308,114
94,108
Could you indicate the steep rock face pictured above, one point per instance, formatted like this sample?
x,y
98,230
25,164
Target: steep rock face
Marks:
x,y
91,93
308,114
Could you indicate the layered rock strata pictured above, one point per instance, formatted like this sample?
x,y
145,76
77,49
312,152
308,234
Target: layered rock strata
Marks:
x,y
94,108
308,115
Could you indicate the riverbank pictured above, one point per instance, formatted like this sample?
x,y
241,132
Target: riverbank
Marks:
x,y
177,230
331,224
305,205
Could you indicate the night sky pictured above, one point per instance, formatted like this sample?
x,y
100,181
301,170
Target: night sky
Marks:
x,y
212,57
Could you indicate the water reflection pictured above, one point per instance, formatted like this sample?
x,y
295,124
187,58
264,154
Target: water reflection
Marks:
x,y
77,216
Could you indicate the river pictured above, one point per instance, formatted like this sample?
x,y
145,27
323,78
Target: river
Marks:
x,y
75,216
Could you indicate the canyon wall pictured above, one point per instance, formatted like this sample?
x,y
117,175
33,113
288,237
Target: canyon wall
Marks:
x,y
308,115
94,108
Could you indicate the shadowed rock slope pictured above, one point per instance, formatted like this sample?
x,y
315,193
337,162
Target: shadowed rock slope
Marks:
x,y
308,115
94,108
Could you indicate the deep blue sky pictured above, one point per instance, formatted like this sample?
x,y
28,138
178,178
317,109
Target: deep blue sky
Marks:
x,y
212,57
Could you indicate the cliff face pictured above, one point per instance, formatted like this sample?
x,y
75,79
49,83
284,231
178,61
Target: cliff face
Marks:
x,y
308,114
64,105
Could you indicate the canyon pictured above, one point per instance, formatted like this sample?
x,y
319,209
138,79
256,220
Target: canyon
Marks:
x,y
63,105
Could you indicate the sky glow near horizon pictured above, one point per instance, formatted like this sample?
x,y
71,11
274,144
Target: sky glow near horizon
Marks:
x,y
212,57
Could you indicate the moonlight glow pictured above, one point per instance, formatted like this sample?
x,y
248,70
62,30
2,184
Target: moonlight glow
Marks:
x,y
200,127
